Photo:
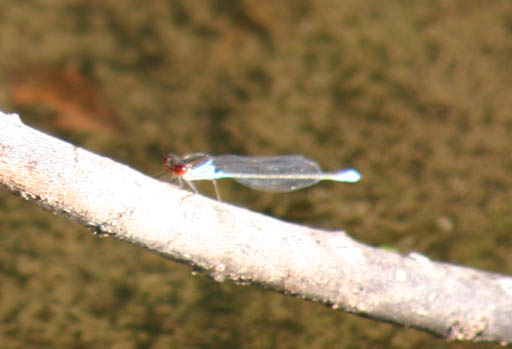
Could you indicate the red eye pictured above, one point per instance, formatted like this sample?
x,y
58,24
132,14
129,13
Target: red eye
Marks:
x,y
178,170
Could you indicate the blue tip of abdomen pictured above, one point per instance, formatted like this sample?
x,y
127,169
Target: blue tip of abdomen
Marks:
x,y
349,175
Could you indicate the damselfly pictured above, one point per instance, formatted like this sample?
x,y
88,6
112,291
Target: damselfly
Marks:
x,y
279,173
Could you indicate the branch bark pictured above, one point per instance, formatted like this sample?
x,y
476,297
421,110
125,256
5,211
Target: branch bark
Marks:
x,y
228,242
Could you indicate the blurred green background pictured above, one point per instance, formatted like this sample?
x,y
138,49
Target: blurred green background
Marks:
x,y
414,94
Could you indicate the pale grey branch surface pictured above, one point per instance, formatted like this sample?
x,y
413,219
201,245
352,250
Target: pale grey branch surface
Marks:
x,y
228,242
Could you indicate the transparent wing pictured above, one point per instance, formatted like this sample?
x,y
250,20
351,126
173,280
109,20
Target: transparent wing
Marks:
x,y
241,167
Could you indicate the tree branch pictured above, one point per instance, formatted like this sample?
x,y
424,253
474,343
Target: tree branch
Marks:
x,y
229,242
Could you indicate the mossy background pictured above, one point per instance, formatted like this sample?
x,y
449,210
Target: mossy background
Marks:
x,y
414,94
